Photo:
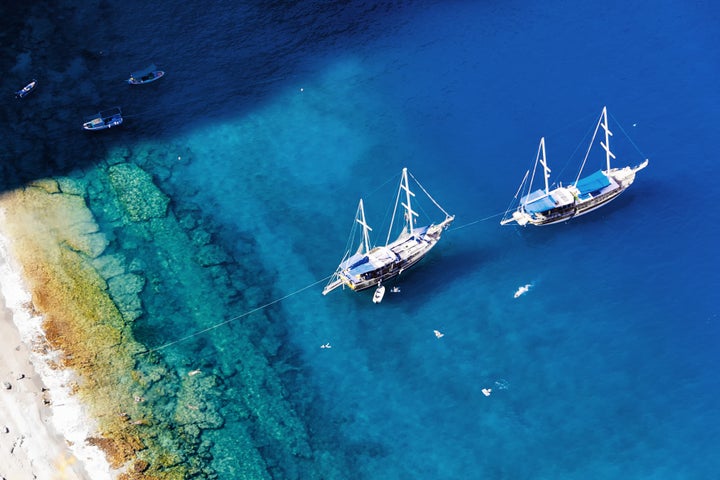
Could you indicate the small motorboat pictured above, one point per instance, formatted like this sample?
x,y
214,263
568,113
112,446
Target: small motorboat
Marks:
x,y
379,294
147,75
27,89
105,119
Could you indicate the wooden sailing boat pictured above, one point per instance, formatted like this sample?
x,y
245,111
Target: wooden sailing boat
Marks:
x,y
545,207
369,266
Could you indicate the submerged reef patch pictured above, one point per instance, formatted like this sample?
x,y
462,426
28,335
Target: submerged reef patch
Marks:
x,y
116,268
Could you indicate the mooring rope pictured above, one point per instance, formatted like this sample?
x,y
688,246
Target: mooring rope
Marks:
x,y
477,221
225,322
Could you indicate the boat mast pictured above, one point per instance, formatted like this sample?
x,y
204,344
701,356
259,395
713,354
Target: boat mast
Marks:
x,y
608,134
543,162
603,116
360,218
409,213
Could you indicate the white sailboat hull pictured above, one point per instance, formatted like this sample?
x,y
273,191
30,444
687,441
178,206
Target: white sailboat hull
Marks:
x,y
621,180
398,256
369,267
548,207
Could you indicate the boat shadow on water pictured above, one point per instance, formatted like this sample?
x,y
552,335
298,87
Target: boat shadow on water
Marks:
x,y
441,271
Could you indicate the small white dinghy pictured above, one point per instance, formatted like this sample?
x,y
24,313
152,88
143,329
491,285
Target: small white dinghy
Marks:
x,y
379,294
147,75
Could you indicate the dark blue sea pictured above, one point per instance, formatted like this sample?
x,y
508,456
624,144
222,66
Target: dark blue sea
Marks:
x,y
286,113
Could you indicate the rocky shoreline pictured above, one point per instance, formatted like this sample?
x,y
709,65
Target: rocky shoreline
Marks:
x,y
107,254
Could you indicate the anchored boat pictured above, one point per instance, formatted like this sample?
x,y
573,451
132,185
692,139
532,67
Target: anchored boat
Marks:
x,y
147,75
369,266
26,89
105,119
546,206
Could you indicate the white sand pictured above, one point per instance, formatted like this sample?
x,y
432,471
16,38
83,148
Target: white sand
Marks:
x,y
42,441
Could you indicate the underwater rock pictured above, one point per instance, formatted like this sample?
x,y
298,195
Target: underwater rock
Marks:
x,y
139,197
110,266
187,221
136,266
70,218
195,404
70,186
92,244
211,255
47,184
162,173
118,155
200,237
124,290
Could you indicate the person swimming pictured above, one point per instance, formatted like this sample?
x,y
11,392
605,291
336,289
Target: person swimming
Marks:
x,y
522,290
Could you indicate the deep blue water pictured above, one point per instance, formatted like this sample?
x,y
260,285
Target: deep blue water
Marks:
x,y
292,112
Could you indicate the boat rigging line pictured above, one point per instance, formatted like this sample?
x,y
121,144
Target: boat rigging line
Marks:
x,y
619,125
237,317
477,221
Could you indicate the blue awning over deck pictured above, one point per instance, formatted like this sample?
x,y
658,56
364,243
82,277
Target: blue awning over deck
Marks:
x,y
538,201
593,183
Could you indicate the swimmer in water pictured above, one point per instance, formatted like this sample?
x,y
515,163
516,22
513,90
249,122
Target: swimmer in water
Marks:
x,y
522,290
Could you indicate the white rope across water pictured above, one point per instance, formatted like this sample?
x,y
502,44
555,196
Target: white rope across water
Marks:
x,y
277,300
225,322
477,221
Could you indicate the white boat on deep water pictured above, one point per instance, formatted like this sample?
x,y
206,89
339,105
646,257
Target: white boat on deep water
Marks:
x,y
546,206
369,266
104,119
147,75
26,89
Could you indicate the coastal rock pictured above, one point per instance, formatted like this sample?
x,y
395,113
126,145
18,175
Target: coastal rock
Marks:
x,y
69,216
139,197
91,244
48,184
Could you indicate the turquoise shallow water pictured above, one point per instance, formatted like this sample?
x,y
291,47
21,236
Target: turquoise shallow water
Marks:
x,y
286,115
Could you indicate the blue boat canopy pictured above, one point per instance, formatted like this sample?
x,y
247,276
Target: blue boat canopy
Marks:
x,y
532,196
540,205
593,183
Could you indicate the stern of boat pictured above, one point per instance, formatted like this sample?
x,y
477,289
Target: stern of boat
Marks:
x,y
519,217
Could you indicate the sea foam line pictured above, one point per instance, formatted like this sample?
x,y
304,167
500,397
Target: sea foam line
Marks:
x,y
69,416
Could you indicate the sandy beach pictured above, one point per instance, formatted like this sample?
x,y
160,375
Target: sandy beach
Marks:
x,y
43,427
30,447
